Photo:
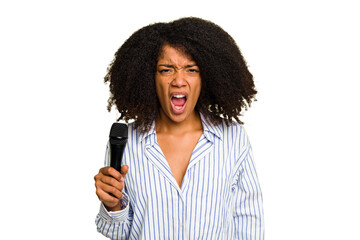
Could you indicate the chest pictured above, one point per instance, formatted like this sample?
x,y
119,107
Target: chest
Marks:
x,y
177,151
203,199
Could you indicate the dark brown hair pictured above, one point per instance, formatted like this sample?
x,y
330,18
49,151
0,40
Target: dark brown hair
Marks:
x,y
227,84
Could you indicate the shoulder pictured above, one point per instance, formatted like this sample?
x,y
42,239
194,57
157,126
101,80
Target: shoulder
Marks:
x,y
233,130
133,133
136,135
226,131
235,137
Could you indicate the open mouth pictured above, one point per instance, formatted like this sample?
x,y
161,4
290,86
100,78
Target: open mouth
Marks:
x,y
178,102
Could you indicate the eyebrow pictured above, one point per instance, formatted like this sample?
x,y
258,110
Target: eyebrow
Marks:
x,y
172,66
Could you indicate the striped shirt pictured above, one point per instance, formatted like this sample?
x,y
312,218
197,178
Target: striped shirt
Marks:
x,y
220,196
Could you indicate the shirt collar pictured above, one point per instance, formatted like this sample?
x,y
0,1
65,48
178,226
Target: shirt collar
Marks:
x,y
211,128
208,126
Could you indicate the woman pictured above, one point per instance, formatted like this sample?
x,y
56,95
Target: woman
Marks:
x,y
187,170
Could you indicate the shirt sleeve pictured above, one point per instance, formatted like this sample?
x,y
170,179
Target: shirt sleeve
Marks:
x,y
117,224
248,207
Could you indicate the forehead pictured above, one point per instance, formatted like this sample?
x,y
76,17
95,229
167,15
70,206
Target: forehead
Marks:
x,y
170,53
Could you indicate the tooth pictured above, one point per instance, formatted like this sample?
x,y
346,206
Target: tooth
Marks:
x,y
179,96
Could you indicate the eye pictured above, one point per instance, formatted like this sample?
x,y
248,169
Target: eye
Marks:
x,y
193,70
166,71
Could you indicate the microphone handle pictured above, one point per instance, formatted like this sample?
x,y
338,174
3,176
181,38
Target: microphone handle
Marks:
x,y
116,154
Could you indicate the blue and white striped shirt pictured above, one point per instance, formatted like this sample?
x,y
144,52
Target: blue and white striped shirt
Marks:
x,y
220,196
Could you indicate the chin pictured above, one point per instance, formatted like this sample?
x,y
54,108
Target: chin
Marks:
x,y
178,118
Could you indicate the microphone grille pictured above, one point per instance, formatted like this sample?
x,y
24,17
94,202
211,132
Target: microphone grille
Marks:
x,y
119,130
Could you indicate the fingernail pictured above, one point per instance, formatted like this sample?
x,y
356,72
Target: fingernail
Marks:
x,y
122,179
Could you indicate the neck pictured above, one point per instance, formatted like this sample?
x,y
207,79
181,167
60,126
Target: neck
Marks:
x,y
166,125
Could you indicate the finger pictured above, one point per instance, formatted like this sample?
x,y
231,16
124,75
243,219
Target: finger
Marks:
x,y
124,170
109,190
113,182
111,172
106,197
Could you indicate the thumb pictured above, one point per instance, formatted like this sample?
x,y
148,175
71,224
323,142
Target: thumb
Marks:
x,y
124,170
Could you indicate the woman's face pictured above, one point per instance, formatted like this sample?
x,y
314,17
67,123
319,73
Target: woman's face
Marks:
x,y
178,84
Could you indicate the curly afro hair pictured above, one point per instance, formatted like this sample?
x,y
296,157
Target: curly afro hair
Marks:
x,y
227,84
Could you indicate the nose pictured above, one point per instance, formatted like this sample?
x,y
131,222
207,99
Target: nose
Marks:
x,y
179,79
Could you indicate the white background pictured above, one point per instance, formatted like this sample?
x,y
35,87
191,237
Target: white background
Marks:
x,y
304,128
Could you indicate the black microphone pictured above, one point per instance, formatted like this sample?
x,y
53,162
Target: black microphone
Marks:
x,y
118,138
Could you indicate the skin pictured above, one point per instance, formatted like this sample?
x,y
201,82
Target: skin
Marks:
x,y
178,130
177,73
107,181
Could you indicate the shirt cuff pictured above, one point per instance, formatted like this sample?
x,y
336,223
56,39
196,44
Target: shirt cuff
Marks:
x,y
116,216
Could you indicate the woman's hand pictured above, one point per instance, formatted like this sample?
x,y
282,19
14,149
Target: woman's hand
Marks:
x,y
109,184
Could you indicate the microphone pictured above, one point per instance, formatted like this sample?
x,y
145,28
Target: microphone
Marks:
x,y
118,138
